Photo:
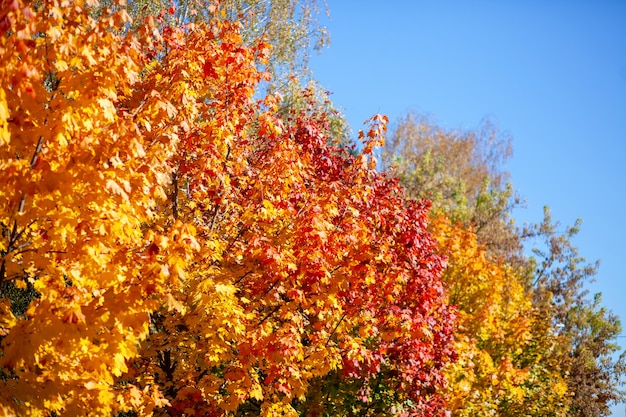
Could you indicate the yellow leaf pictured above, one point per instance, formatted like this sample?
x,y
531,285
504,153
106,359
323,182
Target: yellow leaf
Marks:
x,y
114,187
256,392
119,365
7,319
173,304
61,65
4,116
53,33
108,108
228,290
62,140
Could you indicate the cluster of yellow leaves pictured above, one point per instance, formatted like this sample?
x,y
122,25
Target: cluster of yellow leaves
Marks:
x,y
500,370
80,181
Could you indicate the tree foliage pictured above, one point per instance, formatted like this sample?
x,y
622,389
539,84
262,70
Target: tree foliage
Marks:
x,y
587,330
496,373
183,248
293,27
175,243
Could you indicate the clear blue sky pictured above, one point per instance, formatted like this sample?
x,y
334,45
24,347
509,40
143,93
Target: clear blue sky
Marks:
x,y
551,73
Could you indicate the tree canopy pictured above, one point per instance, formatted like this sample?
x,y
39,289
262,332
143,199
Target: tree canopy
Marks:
x,y
192,249
180,235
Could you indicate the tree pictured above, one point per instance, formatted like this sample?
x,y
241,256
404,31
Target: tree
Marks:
x,y
495,373
80,185
587,329
191,250
595,378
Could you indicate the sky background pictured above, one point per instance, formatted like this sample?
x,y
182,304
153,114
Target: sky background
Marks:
x,y
550,73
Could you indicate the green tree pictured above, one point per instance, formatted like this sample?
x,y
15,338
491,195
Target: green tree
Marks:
x,y
586,329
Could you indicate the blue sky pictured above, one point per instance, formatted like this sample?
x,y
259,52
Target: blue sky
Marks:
x,y
552,74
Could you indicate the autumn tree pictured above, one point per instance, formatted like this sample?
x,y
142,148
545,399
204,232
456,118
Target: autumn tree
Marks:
x,y
495,373
80,184
181,247
291,26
